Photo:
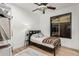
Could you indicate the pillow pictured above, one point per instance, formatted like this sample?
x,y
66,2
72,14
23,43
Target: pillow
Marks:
x,y
35,35
38,35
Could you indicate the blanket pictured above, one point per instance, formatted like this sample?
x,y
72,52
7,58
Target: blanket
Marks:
x,y
52,40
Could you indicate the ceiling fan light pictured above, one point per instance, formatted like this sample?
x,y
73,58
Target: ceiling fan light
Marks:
x,y
41,8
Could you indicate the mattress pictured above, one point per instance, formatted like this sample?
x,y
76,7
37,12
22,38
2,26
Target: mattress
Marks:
x,y
39,41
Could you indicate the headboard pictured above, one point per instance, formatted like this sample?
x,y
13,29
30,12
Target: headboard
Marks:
x,y
31,32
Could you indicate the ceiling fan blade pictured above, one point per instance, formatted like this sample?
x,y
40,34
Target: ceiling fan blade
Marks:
x,y
35,10
49,7
37,4
44,4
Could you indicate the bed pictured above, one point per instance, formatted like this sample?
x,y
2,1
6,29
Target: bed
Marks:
x,y
39,39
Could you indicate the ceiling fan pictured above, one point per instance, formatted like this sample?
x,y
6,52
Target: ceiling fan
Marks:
x,y
43,6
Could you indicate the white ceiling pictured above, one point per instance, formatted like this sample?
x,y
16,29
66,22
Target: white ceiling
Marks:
x,y
31,6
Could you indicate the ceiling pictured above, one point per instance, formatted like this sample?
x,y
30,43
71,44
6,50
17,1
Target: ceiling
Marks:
x,y
31,6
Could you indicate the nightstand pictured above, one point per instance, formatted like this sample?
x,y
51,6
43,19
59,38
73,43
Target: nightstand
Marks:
x,y
26,43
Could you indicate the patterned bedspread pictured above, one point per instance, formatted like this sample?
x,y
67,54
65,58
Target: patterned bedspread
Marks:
x,y
52,40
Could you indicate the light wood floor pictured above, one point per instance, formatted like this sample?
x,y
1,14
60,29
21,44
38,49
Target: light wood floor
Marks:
x,y
62,51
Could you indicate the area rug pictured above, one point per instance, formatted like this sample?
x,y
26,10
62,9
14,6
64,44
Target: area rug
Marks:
x,y
30,52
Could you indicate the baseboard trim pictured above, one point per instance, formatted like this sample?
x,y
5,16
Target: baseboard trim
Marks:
x,y
71,49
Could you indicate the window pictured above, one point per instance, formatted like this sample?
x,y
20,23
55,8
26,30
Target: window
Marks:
x,y
61,25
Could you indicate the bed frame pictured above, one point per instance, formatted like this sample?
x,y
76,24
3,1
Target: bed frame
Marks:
x,y
31,32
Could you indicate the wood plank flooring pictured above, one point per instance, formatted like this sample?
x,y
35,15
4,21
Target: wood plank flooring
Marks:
x,y
62,51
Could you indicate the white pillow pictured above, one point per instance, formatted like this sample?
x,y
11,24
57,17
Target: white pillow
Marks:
x,y
35,35
38,35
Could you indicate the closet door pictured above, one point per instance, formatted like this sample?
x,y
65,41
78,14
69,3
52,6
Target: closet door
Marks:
x,y
5,25
1,39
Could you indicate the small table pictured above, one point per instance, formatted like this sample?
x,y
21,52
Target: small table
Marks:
x,y
26,43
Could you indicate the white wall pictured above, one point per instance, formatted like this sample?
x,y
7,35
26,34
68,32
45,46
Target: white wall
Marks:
x,y
19,24
45,25
21,17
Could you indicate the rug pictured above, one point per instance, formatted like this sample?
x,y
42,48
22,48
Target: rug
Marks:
x,y
30,52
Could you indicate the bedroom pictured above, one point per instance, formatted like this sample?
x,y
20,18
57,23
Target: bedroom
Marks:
x,y
23,20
